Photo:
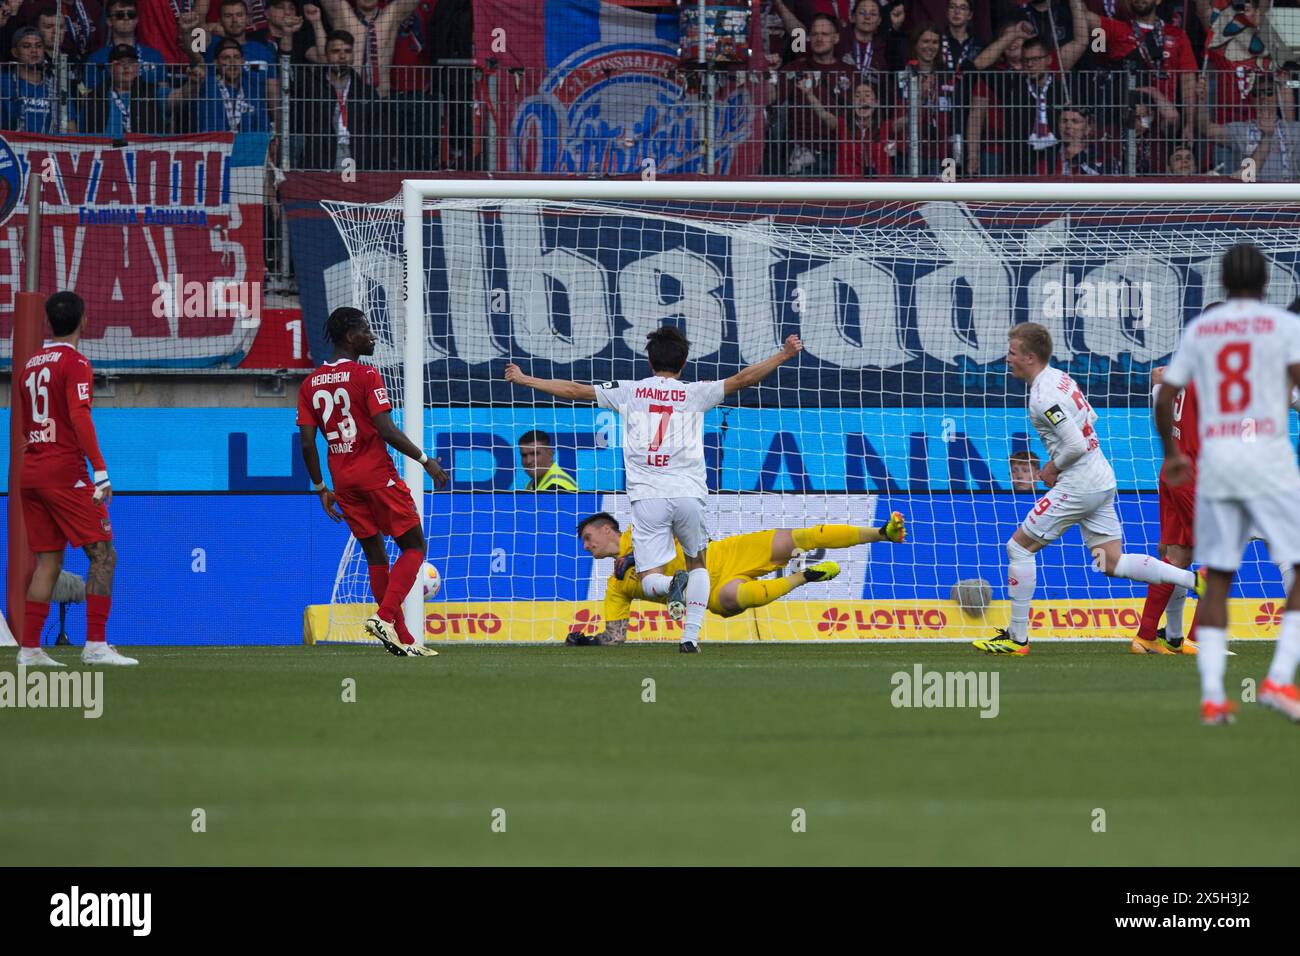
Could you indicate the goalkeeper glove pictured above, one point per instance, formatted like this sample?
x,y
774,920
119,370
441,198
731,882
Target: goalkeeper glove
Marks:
x,y
579,639
623,565
896,529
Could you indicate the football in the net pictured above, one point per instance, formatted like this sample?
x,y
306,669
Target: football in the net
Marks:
x,y
431,580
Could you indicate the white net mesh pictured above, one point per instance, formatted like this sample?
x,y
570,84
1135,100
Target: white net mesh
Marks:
x,y
900,401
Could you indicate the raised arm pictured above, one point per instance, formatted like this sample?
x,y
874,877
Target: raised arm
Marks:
x,y
993,52
560,388
1071,52
761,370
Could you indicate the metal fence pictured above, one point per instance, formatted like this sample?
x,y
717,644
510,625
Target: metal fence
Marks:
x,y
827,123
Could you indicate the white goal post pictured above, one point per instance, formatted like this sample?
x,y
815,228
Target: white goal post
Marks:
x,y
1183,225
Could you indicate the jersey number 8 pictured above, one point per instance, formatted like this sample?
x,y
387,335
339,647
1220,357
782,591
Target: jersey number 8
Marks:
x,y
326,401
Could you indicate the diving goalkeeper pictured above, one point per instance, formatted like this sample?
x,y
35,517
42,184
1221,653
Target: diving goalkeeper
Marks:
x,y
734,565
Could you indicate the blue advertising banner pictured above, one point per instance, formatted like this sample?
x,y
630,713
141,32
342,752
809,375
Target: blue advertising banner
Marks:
x,y
746,449
240,569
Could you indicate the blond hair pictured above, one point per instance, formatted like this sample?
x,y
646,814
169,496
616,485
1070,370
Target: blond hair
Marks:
x,y
1035,338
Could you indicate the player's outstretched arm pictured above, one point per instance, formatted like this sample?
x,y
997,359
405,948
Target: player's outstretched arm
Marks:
x,y
761,370
560,388
393,436
311,458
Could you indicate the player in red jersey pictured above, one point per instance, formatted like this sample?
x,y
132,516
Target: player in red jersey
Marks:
x,y
1177,521
349,403
61,502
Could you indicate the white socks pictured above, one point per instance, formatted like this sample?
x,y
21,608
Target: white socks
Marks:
x,y
1174,614
1287,654
1288,577
1212,660
655,585
1022,577
1143,567
697,602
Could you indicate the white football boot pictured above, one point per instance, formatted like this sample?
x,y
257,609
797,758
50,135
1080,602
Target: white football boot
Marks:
x,y
100,654
36,657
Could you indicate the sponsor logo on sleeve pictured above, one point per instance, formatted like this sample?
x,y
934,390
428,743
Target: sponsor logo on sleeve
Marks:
x,y
609,384
83,391
1054,415
381,396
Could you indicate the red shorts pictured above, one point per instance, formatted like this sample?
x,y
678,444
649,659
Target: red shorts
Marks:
x,y
1178,514
56,517
389,511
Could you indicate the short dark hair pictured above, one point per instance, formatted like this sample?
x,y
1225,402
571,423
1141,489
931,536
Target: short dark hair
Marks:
x,y
231,3
535,437
1245,269
122,3
1214,305
342,321
226,43
1025,455
667,348
1294,306
600,517
1038,42
823,16
341,36
64,310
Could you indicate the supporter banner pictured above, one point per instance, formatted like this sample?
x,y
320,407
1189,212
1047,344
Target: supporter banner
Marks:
x,y
161,237
904,306
542,621
591,88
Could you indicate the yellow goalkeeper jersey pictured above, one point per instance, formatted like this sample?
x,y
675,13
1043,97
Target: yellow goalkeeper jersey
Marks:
x,y
743,556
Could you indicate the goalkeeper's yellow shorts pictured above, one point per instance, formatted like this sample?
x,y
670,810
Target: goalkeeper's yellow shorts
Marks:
x,y
744,557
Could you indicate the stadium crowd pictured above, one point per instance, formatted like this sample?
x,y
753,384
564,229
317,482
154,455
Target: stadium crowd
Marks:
x,y
852,88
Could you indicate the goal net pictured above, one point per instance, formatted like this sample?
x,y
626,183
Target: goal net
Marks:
x,y
903,295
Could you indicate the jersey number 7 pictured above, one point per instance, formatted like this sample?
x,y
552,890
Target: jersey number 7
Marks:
x,y
665,412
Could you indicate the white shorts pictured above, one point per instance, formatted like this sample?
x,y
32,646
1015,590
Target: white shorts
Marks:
x,y
657,521
1058,511
1224,527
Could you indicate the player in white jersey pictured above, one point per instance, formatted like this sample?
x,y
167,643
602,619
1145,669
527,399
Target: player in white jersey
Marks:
x,y
1244,357
1081,489
663,458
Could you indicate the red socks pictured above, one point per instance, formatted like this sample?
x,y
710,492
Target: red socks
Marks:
x,y
400,581
33,621
379,588
1157,600
97,606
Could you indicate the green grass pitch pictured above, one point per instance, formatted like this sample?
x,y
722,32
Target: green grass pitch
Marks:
x,y
737,738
